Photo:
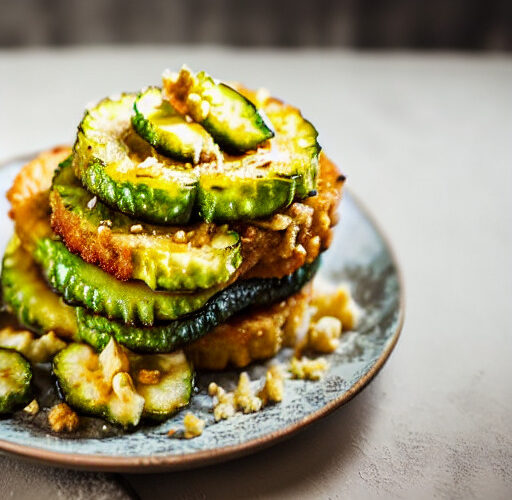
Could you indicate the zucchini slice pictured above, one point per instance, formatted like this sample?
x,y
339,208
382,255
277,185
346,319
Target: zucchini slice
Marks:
x,y
232,119
97,386
166,258
26,295
84,284
165,382
97,330
122,169
157,122
15,381
121,386
113,162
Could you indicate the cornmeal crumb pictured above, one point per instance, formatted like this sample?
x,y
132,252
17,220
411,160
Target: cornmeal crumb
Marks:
x,y
32,408
194,426
338,304
148,377
63,418
308,369
324,334
245,400
273,390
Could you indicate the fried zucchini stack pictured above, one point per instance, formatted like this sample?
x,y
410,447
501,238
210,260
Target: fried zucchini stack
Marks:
x,y
189,216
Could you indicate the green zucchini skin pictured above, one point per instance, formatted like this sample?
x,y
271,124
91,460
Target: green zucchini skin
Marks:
x,y
79,381
86,285
102,161
174,389
97,330
26,295
156,121
231,118
15,381
109,159
154,257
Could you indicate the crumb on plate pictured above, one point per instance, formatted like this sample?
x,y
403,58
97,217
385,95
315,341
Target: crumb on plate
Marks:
x,y
194,426
308,369
63,418
32,408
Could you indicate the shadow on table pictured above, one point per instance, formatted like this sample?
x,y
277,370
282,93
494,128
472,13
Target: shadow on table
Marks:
x,y
320,450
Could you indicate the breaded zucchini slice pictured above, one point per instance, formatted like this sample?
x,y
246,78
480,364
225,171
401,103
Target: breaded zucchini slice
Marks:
x,y
126,172
169,258
97,330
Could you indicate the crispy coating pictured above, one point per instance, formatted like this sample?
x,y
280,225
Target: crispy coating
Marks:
x,y
29,195
252,336
270,251
272,247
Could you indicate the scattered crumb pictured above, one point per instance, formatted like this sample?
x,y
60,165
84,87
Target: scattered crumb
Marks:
x,y
194,426
148,377
92,202
308,369
171,432
136,229
224,407
244,397
32,408
42,349
273,390
113,360
63,418
324,334
338,304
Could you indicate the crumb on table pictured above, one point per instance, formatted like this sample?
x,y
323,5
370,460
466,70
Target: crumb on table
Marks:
x,y
63,418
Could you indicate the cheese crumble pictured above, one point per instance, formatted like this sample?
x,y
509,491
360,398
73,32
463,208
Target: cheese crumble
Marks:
x,y
63,418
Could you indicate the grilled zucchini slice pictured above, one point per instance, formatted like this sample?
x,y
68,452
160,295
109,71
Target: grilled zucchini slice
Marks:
x,y
26,295
157,122
123,387
15,381
97,330
232,119
169,258
84,284
122,169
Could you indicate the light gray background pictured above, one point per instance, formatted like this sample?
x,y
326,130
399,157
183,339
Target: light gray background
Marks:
x,y
426,142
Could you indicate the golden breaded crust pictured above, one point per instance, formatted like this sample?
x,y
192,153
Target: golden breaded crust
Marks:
x,y
29,195
268,252
273,247
252,336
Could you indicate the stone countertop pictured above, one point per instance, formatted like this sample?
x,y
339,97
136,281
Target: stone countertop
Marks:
x,y
426,143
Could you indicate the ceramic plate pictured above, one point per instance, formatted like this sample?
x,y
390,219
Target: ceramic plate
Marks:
x,y
359,257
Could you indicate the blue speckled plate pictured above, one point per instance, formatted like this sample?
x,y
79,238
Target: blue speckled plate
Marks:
x,y
359,256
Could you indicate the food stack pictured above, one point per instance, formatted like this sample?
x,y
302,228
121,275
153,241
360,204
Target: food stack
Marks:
x,y
182,229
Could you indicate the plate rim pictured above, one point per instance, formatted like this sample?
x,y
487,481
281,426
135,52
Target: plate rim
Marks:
x,y
148,464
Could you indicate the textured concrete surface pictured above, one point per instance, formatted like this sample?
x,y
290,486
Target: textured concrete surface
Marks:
x,y
426,144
